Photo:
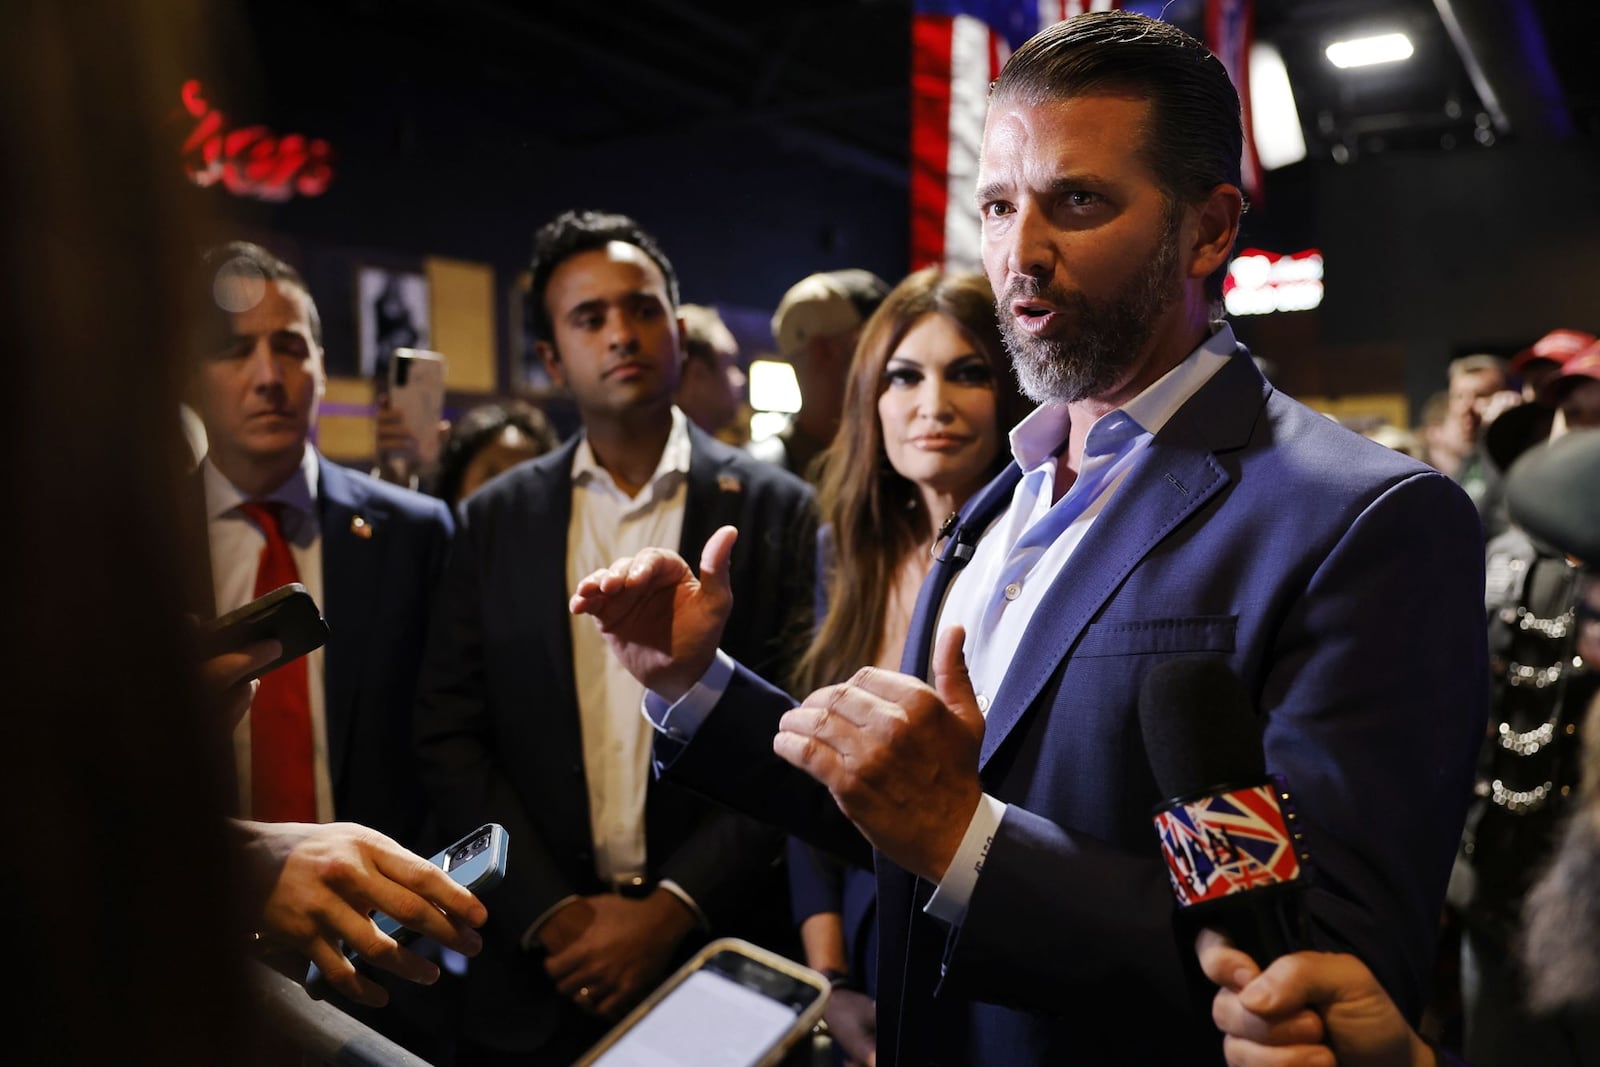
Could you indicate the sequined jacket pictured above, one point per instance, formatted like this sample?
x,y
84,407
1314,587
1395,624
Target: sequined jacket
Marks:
x,y
1530,762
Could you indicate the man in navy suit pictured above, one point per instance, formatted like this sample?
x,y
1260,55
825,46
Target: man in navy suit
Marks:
x,y
1165,501
369,553
526,719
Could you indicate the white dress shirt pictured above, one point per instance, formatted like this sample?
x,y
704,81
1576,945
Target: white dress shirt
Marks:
x,y
236,544
606,525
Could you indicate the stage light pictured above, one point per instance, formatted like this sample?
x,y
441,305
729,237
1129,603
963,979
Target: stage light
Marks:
x,y
773,386
1367,51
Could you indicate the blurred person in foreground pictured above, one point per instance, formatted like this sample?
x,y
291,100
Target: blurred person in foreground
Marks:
x,y
136,898
1312,1009
929,401
1166,500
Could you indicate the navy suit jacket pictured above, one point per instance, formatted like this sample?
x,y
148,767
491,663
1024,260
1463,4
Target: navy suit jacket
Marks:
x,y
377,595
498,725
379,579
1340,580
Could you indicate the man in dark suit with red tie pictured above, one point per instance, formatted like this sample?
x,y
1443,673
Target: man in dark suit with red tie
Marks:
x,y
328,737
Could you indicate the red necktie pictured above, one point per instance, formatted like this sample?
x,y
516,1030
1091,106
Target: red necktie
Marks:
x,y
282,760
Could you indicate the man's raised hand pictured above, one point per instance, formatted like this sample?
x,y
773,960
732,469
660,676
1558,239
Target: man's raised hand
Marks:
x,y
899,756
663,623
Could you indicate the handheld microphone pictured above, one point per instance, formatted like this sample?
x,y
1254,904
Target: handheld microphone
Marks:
x,y
1228,829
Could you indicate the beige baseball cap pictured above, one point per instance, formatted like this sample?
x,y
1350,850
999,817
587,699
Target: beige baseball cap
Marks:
x,y
825,304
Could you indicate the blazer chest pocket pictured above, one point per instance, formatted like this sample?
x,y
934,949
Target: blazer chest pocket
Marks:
x,y
1196,633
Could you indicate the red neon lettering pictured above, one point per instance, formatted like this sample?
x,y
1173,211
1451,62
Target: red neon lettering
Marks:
x,y
251,162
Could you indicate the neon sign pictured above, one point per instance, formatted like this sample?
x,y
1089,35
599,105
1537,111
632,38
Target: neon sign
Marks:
x,y
1259,283
250,161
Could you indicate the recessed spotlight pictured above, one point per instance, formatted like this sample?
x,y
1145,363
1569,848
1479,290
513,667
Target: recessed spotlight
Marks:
x,y
1367,51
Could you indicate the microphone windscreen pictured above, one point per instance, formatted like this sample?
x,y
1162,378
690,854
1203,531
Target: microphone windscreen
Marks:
x,y
1199,729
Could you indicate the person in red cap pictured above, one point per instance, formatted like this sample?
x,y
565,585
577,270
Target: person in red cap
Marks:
x,y
1536,365
1575,392
1513,428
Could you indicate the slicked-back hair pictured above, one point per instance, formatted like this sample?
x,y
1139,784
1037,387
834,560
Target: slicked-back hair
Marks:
x,y
1195,137
242,259
573,232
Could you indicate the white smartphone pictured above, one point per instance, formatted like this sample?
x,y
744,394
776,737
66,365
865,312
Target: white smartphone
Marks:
x,y
416,390
733,1005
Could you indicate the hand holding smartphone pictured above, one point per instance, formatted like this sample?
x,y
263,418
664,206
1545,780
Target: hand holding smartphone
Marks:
x,y
477,862
734,1004
287,615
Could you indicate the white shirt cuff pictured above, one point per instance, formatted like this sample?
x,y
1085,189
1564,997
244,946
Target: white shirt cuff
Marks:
x,y
530,936
679,720
683,894
950,899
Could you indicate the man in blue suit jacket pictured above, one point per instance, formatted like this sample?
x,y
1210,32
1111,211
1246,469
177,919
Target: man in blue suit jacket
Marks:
x,y
523,716
1166,501
370,554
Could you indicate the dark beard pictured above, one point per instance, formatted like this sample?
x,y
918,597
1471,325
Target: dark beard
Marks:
x,y
1108,337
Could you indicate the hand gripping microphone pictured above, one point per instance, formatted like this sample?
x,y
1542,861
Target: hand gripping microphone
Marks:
x,y
1228,829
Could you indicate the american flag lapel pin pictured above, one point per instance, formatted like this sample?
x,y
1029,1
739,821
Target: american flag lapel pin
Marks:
x,y
361,528
729,483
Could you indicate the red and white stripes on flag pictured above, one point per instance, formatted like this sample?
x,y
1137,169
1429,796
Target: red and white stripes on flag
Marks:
x,y
957,50
1230,31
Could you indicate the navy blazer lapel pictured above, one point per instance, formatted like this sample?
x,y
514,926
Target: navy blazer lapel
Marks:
x,y
544,516
1171,482
714,496
352,568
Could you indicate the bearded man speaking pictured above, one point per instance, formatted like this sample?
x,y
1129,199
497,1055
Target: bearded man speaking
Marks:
x,y
1165,502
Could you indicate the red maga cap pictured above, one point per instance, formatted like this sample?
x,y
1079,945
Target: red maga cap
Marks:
x,y
1557,346
1585,364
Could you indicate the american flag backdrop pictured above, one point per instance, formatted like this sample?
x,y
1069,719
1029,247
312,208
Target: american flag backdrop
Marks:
x,y
958,48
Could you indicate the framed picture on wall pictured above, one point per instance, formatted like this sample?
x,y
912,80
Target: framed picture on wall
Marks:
x,y
391,312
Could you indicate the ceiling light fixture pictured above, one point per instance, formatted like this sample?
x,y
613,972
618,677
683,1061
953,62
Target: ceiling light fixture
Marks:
x,y
1367,51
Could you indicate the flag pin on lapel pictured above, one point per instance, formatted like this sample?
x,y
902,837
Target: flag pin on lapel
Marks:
x,y
729,483
361,528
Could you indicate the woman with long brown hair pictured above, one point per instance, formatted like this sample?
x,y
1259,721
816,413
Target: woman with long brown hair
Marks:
x,y
928,404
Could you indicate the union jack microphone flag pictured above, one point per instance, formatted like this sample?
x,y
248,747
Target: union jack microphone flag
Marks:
x,y
1226,843
958,48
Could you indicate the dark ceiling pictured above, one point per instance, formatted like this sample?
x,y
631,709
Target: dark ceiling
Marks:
x,y
831,76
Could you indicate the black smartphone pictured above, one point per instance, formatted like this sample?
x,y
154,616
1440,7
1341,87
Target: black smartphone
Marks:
x,y
477,861
734,1003
288,615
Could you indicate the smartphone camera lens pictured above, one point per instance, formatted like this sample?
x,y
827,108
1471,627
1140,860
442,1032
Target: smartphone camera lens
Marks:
x,y
473,847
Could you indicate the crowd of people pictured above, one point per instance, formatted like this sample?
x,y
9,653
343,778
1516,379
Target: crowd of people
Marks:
x,y
867,693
